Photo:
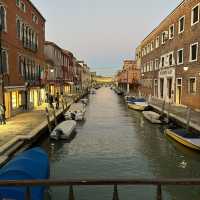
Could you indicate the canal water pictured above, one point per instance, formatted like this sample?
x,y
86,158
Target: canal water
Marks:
x,y
115,142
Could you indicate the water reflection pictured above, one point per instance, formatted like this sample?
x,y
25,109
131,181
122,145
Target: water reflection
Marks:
x,y
115,142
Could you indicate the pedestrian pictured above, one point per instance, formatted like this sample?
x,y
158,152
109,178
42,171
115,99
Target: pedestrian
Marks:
x,y
57,100
50,101
2,114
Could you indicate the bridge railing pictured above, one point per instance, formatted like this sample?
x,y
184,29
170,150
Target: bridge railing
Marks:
x,y
158,183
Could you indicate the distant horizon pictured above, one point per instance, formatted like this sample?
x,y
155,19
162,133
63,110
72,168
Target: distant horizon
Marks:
x,y
102,33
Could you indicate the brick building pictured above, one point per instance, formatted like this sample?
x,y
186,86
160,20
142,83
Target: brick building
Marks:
x,y
128,77
23,35
170,57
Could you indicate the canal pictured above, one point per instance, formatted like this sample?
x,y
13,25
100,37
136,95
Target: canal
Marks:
x,y
115,142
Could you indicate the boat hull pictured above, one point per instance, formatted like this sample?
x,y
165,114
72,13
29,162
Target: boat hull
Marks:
x,y
152,117
181,139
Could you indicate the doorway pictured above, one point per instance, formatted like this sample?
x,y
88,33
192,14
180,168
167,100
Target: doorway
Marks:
x,y
7,104
178,90
162,88
169,88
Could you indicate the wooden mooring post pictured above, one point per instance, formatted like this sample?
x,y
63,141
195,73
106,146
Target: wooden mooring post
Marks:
x,y
54,116
188,119
48,119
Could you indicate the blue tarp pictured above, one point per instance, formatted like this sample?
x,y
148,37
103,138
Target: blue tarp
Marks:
x,y
32,164
134,100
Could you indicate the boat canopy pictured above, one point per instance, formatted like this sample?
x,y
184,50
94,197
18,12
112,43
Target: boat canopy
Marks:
x,y
32,164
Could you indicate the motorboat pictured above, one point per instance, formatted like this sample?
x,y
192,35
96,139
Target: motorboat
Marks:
x,y
190,140
32,164
140,106
153,117
84,101
63,130
92,91
76,112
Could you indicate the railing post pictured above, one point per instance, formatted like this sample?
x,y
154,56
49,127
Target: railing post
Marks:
x,y
159,192
115,193
71,193
28,193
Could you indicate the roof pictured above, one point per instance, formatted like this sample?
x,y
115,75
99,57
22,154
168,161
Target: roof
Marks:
x,y
36,10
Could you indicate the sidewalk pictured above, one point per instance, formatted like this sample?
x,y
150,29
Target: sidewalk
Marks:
x,y
178,112
22,127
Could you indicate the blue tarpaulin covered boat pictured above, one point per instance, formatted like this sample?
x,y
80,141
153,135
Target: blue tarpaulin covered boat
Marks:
x,y
32,164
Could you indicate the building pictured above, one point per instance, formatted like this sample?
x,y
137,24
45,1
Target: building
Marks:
x,y
128,77
22,37
170,57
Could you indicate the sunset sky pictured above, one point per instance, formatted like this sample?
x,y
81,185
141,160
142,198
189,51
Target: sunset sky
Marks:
x,y
102,32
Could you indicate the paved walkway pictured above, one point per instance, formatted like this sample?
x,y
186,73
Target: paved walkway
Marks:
x,y
178,112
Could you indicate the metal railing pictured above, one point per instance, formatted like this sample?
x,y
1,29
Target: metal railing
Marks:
x,y
114,182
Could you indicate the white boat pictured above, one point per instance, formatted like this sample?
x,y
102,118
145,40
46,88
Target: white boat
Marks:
x,y
63,130
76,112
84,101
153,117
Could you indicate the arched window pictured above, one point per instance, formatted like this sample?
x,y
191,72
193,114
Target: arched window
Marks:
x,y
18,29
2,18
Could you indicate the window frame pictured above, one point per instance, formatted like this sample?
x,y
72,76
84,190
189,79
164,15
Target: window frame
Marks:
x,y
172,25
190,85
181,31
180,63
192,16
190,58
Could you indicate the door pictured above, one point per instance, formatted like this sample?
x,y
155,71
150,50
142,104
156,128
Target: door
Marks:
x,y
8,104
169,88
162,88
178,90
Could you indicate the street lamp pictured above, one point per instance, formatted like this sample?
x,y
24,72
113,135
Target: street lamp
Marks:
x,y
1,65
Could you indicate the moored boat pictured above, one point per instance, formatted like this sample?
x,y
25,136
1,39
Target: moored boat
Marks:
x,y
84,101
153,117
76,112
140,106
63,130
32,164
182,136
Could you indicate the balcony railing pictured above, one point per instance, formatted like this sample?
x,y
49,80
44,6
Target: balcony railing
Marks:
x,y
158,183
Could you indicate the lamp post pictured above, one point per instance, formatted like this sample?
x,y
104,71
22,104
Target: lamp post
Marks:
x,y
1,67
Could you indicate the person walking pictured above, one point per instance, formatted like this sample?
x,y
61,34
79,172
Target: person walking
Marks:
x,y
50,101
57,99
2,114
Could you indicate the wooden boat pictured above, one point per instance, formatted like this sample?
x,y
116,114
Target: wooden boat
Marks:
x,y
153,117
189,140
76,112
63,130
140,106
84,101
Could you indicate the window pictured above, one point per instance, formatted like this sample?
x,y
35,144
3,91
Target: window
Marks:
x,y
157,42
192,85
193,52
156,64
162,61
18,3
195,15
170,59
4,61
171,31
180,56
151,65
181,24
2,18
18,29
23,6
164,37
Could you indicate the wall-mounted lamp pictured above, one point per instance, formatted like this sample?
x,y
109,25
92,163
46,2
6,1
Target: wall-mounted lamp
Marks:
x,y
52,70
142,74
185,68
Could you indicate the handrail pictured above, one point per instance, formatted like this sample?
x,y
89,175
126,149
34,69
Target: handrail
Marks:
x,y
91,182
86,182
